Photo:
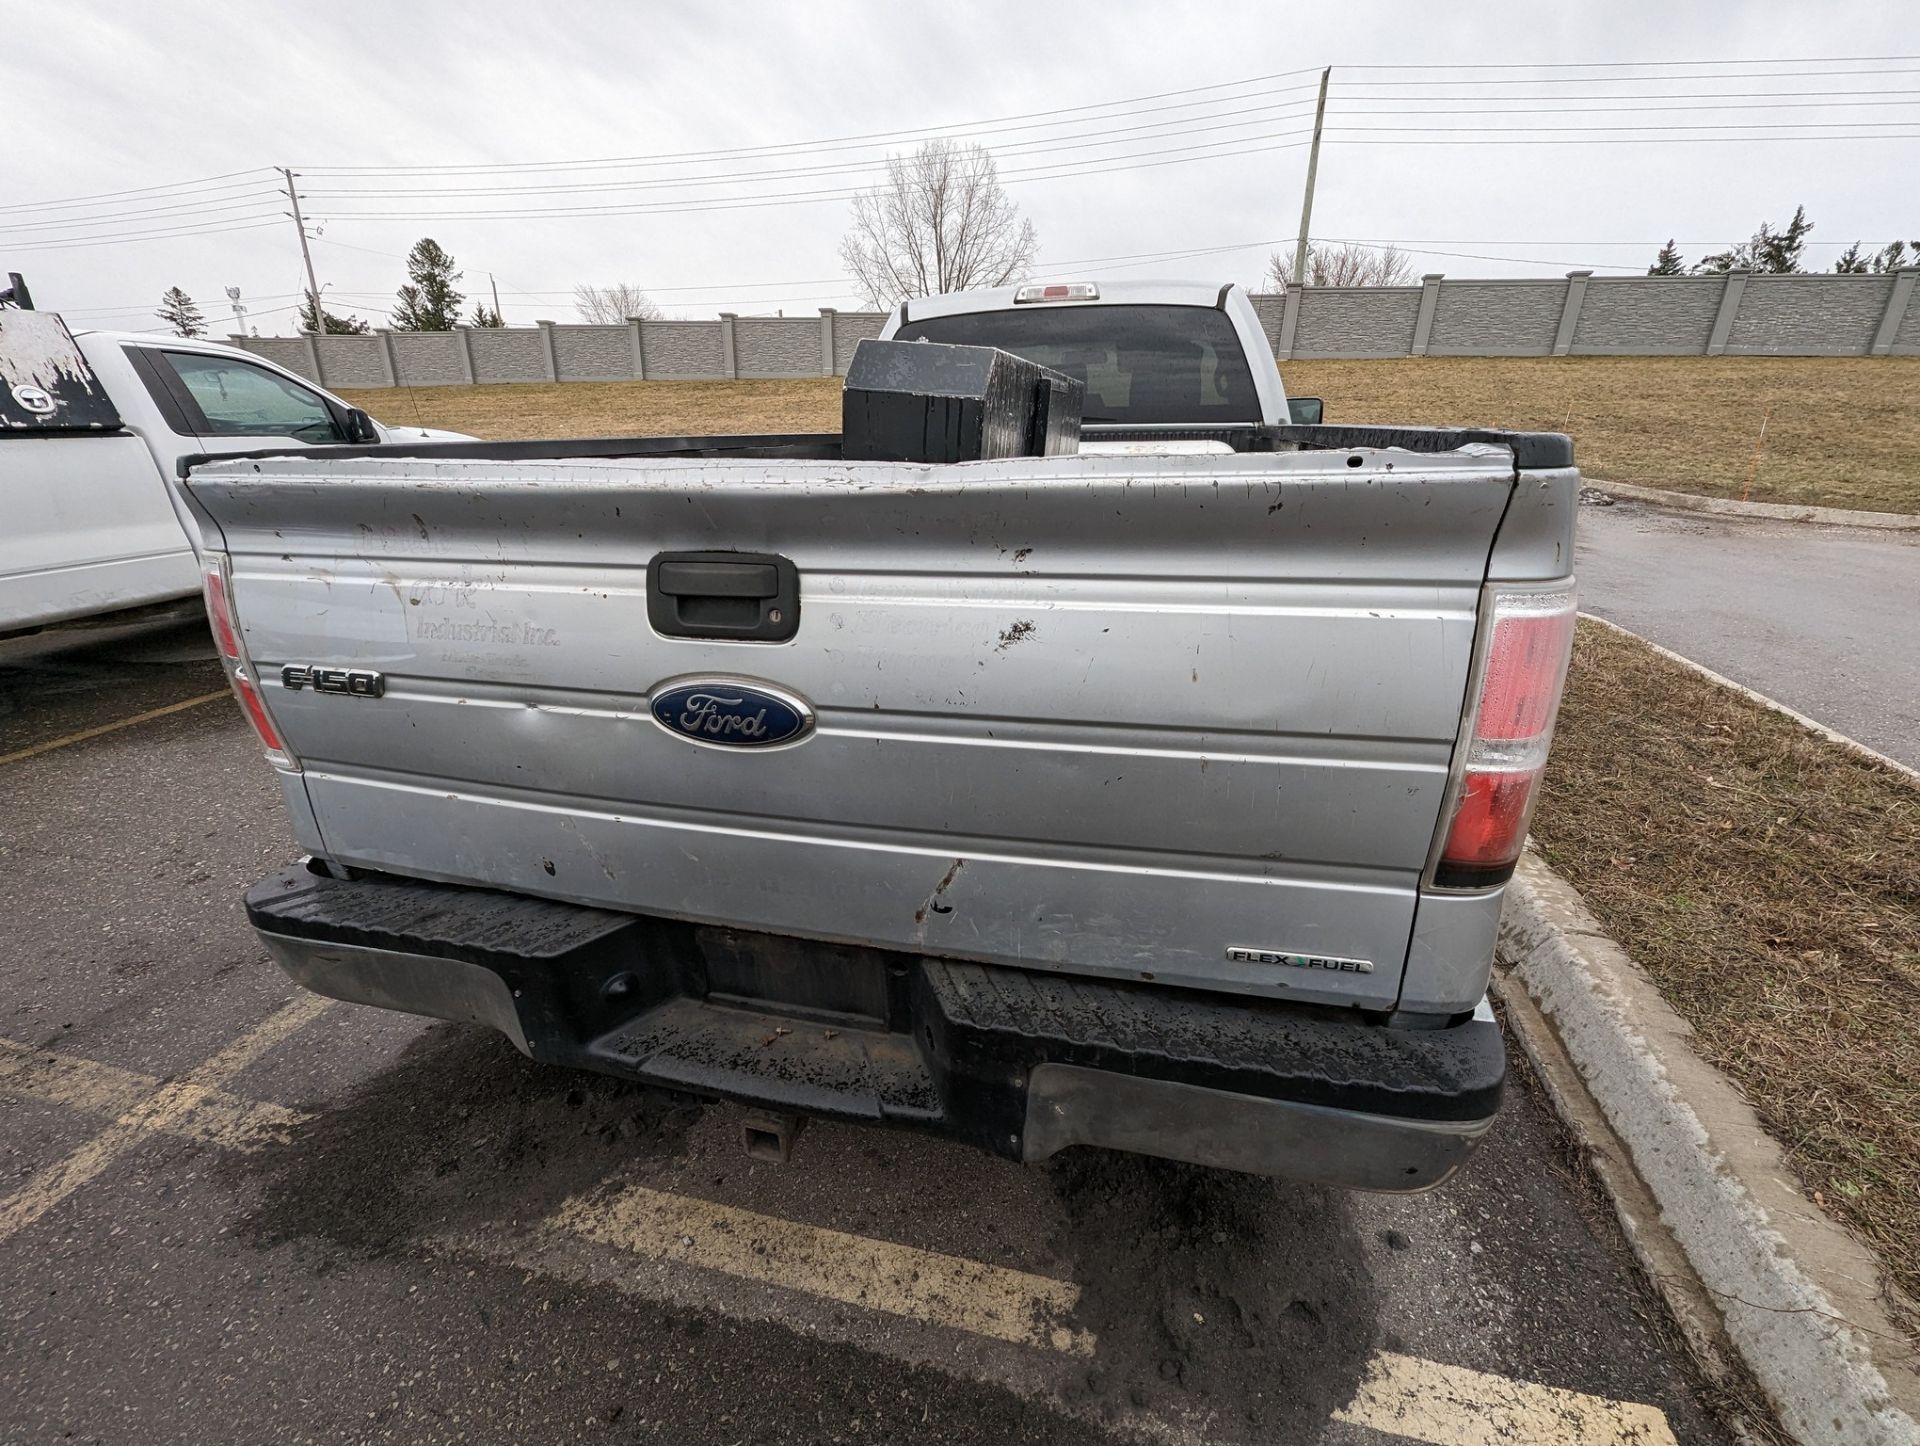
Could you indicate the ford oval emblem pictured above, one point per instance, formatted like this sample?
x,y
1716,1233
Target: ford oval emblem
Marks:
x,y
729,712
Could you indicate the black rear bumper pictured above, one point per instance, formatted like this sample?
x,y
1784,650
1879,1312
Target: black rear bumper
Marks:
x,y
1019,1062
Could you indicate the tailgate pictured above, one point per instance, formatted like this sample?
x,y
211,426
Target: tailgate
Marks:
x,y
1186,719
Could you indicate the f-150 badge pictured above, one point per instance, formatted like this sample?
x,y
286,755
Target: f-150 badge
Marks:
x,y
729,713
354,682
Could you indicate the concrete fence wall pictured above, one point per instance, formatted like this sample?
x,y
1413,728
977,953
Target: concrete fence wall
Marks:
x,y
681,351
1741,314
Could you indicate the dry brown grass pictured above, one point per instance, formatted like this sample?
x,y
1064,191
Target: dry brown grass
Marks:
x,y
1842,431
1769,881
613,409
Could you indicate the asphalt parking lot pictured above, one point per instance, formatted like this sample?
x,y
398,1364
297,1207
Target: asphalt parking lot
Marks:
x,y
230,1211
1817,617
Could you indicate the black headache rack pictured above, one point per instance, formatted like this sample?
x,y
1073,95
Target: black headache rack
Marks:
x,y
837,1030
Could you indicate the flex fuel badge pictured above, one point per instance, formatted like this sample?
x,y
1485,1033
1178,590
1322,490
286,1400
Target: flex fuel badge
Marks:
x,y
1239,954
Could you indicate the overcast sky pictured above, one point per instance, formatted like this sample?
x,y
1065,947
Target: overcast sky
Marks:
x,y
108,96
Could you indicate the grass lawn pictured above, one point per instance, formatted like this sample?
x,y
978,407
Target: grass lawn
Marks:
x,y
1769,881
612,409
1840,431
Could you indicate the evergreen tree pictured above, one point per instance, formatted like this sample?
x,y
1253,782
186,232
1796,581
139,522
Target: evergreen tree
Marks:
x,y
1778,252
332,325
178,311
483,315
1668,262
1896,255
1850,262
1768,250
429,301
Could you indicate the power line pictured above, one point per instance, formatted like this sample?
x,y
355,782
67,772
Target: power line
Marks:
x,y
1790,68
86,225
1092,138
168,215
665,156
1688,126
1086,141
1637,140
1049,171
208,205
1085,138
1003,121
1239,146
55,228
251,313
1645,79
1429,105
1414,250
1638,64
148,306
146,236
136,191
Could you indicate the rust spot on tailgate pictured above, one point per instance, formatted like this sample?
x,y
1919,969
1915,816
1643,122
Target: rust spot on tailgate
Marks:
x,y
934,903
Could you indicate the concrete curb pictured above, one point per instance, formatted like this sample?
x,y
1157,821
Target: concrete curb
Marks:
x,y
1770,511
1799,1297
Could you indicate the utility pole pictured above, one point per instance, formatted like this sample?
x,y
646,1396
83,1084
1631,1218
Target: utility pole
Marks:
x,y
496,299
239,310
1313,167
313,287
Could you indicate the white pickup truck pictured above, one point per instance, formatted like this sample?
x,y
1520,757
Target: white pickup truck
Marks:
x,y
940,773
93,423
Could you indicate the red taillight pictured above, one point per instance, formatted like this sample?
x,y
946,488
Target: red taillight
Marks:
x,y
220,612
218,591
1529,638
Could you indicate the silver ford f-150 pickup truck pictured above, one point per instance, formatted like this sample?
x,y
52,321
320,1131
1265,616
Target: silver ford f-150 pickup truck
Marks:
x,y
1159,800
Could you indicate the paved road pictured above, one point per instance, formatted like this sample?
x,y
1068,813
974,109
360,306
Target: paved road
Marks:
x,y
1824,619
230,1211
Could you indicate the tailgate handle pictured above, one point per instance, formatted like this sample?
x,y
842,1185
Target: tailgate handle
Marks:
x,y
718,579
750,597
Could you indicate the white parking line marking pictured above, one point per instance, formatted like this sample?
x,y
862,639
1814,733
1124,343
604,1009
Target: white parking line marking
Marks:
x,y
923,1285
85,733
217,1118
165,1109
1452,1406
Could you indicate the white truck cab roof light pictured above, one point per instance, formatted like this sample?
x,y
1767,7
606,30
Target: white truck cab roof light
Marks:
x,y
1058,291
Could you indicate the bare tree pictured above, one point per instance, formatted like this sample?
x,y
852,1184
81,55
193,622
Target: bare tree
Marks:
x,y
1348,264
940,222
610,305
